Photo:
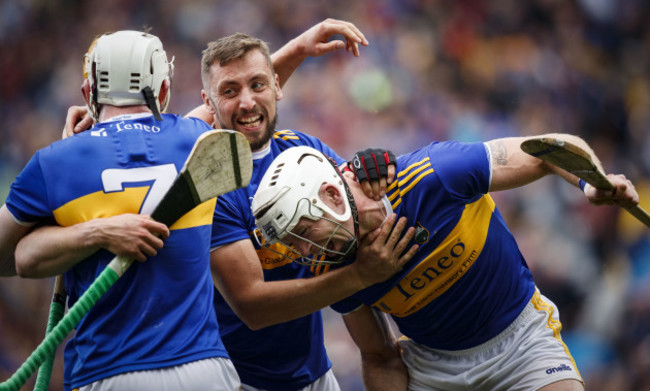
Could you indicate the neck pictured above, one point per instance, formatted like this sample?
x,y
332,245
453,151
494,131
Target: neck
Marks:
x,y
108,111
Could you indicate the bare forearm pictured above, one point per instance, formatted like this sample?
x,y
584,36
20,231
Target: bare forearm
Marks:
x,y
287,59
383,375
266,303
49,251
512,167
381,358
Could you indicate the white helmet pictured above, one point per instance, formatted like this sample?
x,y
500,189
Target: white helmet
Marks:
x,y
290,190
126,68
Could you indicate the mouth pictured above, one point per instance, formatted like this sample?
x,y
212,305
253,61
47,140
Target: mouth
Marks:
x,y
250,121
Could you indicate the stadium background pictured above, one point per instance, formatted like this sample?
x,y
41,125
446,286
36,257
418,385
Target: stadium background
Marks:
x,y
434,70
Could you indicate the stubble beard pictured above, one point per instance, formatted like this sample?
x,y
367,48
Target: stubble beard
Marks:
x,y
260,142
264,138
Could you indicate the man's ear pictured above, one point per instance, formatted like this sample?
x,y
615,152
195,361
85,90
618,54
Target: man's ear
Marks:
x,y
85,91
206,101
332,197
278,89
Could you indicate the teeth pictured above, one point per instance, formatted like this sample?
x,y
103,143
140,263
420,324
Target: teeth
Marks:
x,y
251,121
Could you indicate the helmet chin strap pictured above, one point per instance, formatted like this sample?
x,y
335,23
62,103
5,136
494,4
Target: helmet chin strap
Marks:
x,y
151,102
351,245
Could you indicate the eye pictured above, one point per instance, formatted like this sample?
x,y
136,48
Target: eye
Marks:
x,y
258,85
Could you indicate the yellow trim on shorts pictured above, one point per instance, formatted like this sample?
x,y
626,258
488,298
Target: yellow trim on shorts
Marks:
x,y
552,324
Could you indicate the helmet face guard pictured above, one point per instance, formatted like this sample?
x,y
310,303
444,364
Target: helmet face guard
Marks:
x,y
126,68
324,252
290,190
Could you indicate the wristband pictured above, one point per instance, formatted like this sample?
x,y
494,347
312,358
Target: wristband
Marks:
x,y
584,186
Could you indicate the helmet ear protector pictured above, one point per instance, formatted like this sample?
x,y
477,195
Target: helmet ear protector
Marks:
x,y
290,190
127,68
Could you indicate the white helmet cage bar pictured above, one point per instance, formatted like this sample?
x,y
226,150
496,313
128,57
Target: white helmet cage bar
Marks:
x,y
290,190
127,68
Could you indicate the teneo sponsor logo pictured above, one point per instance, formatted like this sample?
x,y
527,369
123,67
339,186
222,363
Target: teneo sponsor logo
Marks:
x,y
121,126
430,273
561,368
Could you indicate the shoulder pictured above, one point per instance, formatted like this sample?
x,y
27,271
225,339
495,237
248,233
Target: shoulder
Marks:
x,y
189,122
288,138
292,138
445,153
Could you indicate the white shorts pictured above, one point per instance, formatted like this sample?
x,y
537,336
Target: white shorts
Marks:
x,y
527,355
212,374
327,382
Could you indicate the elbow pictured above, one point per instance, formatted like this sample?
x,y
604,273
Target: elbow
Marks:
x,y
255,317
25,268
254,320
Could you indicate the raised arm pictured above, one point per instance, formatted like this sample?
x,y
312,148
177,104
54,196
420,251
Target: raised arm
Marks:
x,y
381,362
316,42
312,43
512,167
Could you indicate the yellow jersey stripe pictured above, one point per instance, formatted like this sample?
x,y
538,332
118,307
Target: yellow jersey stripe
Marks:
x,y
404,172
285,135
445,265
100,204
402,192
402,182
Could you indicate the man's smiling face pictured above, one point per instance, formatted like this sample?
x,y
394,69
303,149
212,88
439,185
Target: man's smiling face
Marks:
x,y
244,94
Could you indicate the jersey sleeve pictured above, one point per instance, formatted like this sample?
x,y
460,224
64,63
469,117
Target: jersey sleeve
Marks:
x,y
199,123
347,305
463,168
28,197
228,225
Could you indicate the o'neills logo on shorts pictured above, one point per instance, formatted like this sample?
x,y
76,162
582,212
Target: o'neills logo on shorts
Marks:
x,y
561,368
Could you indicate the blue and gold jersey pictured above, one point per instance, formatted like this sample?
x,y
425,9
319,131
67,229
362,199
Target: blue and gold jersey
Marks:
x,y
290,355
468,281
159,313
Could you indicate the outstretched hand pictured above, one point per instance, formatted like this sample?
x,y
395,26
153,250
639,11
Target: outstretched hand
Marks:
x,y
316,41
76,121
624,193
382,253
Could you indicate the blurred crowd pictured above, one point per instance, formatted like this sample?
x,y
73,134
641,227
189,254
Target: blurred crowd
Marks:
x,y
468,70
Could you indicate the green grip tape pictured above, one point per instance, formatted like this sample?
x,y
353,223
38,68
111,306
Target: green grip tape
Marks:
x,y
46,349
45,371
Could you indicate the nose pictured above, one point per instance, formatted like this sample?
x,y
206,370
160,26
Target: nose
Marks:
x,y
303,247
246,99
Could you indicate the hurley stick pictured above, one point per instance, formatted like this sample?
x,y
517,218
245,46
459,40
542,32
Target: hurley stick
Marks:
x,y
57,308
578,162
